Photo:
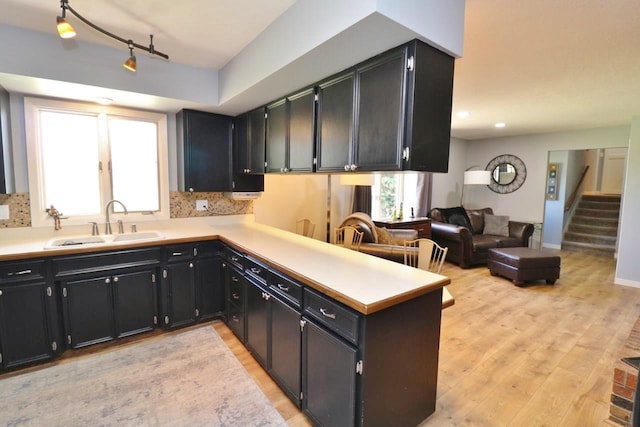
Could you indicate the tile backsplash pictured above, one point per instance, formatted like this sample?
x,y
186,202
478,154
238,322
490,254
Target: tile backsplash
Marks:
x,y
182,205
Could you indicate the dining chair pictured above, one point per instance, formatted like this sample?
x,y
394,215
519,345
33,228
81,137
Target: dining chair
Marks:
x,y
305,227
349,237
424,254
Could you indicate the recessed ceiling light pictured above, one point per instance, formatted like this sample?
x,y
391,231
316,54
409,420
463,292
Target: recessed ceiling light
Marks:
x,y
500,125
104,101
463,114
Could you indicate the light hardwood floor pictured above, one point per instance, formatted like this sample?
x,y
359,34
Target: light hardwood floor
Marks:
x,y
539,355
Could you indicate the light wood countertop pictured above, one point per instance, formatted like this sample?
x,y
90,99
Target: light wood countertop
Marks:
x,y
362,282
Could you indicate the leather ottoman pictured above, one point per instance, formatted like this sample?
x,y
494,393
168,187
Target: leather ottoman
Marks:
x,y
524,264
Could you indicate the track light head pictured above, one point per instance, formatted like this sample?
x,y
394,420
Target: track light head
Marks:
x,y
130,63
65,29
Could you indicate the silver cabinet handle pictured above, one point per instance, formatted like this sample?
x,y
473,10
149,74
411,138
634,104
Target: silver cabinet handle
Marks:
x,y
235,319
235,296
177,254
235,259
283,287
20,273
325,313
255,270
115,279
235,279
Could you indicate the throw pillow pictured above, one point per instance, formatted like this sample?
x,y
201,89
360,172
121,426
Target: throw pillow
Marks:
x,y
384,238
497,225
456,216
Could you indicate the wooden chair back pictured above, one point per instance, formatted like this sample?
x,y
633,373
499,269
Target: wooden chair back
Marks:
x,y
349,237
305,227
424,254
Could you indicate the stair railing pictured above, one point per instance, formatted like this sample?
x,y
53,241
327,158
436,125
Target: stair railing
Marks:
x,y
574,194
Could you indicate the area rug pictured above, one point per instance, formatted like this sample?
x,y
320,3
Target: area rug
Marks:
x,y
188,378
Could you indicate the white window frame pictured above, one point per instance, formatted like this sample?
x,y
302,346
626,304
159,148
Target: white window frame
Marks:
x,y
35,161
402,179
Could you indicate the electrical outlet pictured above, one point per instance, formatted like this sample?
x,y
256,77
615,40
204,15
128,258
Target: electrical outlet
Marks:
x,y
202,205
4,212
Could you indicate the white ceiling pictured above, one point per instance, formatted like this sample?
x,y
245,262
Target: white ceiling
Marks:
x,y
539,66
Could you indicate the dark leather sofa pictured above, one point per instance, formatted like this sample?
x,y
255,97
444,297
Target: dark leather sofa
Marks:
x,y
383,243
469,246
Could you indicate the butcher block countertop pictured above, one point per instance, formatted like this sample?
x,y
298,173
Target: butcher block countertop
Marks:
x,y
363,282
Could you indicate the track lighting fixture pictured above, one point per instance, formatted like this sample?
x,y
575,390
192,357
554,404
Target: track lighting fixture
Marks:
x,y
66,31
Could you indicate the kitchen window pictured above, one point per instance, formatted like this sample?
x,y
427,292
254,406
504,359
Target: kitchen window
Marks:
x,y
390,190
80,156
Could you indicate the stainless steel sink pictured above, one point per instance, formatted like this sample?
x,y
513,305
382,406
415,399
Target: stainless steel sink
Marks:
x,y
74,242
88,241
139,236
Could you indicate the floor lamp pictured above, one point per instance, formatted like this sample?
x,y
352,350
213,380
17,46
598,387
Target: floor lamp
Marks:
x,y
478,177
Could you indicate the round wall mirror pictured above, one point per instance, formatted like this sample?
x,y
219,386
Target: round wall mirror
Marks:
x,y
508,173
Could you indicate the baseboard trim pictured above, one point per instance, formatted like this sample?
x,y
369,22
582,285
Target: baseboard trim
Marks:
x,y
625,282
551,246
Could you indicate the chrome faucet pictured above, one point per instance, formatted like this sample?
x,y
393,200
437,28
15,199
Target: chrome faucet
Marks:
x,y
107,229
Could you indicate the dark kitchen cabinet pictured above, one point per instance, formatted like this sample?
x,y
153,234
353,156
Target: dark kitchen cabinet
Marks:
x,y
250,142
28,320
205,150
235,296
210,281
291,133
380,85
329,377
257,320
179,298
335,122
285,348
102,308
107,295
4,135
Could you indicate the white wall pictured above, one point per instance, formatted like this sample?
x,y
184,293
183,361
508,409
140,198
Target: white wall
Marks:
x,y
628,267
554,209
446,187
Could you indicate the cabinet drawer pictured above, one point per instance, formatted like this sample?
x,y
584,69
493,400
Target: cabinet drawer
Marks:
x,y
102,262
235,320
282,285
234,257
236,289
332,314
256,269
21,271
180,252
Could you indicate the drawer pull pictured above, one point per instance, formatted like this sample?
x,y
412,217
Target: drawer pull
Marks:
x,y
235,319
19,273
283,287
255,270
235,279
177,254
235,259
235,296
325,313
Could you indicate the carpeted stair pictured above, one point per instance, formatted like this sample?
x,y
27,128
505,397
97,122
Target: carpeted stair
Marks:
x,y
594,226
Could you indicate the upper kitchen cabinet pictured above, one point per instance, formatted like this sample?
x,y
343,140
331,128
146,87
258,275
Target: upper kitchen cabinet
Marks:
x,y
290,133
204,142
248,150
335,122
428,117
4,125
392,112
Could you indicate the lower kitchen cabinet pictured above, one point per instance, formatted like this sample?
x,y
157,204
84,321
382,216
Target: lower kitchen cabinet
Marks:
x,y
102,308
329,377
211,288
28,321
179,292
257,319
235,298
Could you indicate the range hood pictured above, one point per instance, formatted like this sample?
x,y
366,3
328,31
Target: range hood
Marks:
x,y
243,195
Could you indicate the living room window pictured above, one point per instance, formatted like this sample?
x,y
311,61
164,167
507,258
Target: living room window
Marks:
x,y
80,156
392,189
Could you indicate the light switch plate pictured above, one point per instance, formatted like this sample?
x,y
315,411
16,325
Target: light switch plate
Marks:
x,y
202,205
4,212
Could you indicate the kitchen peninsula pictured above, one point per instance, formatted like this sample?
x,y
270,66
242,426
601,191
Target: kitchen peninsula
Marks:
x,y
369,328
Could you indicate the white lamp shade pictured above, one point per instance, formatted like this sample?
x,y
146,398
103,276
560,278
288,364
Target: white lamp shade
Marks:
x,y
356,179
477,177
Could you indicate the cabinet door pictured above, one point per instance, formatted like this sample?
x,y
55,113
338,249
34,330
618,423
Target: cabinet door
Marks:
x,y
329,375
256,128
210,287
277,137
257,317
88,310
380,114
207,150
134,301
235,297
335,123
24,335
241,150
181,293
301,131
285,348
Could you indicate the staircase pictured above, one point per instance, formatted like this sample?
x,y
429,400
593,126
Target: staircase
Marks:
x,y
594,226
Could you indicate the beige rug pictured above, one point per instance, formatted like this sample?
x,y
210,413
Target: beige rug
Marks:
x,y
187,378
